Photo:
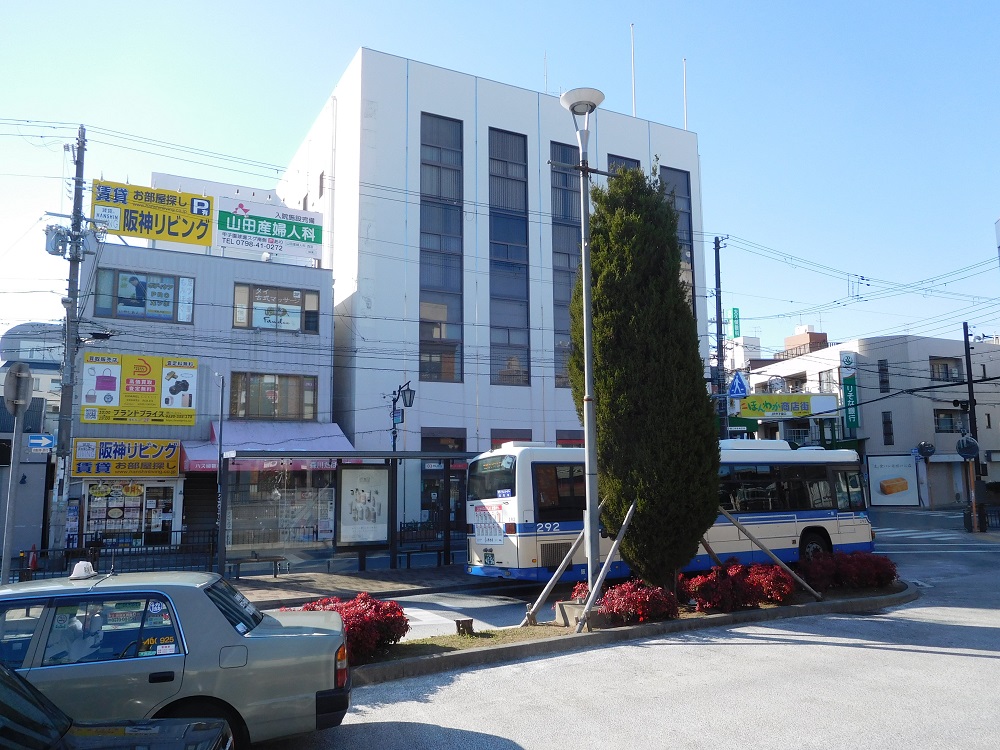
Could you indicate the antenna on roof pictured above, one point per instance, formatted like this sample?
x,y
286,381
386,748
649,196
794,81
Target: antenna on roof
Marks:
x,y
631,27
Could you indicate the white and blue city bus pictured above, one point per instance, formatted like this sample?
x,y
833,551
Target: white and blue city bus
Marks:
x,y
526,503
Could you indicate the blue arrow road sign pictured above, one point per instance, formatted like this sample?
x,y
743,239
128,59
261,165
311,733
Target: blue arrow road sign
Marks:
x,y
738,387
41,441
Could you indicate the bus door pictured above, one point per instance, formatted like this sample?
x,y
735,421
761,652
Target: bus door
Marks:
x,y
744,491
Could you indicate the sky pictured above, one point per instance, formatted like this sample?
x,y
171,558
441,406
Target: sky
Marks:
x,y
849,150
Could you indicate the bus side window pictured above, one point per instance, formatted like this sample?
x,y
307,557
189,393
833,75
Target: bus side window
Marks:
x,y
546,486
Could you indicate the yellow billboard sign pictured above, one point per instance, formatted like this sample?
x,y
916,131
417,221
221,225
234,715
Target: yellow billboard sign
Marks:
x,y
152,214
138,389
776,406
114,457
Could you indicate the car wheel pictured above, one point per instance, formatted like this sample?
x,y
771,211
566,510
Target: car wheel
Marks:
x,y
200,709
812,544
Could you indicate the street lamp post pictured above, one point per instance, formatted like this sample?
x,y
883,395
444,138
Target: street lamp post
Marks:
x,y
407,394
581,103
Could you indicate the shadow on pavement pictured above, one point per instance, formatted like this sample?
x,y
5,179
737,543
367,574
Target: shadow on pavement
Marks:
x,y
363,731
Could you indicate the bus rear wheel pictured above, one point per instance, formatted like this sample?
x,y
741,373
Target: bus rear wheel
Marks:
x,y
811,544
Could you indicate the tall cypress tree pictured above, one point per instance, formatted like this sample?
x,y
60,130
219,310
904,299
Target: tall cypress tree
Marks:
x,y
656,437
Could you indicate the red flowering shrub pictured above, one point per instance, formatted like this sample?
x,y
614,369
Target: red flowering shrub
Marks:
x,y
863,570
775,585
580,591
370,625
857,570
634,601
725,589
820,571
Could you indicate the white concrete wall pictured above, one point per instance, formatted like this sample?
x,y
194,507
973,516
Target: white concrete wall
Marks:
x,y
374,153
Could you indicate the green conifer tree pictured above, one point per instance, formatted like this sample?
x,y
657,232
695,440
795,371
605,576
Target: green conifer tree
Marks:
x,y
656,437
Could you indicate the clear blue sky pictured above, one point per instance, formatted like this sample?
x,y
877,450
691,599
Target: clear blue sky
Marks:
x,y
837,140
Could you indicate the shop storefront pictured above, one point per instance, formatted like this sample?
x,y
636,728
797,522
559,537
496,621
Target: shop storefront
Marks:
x,y
131,491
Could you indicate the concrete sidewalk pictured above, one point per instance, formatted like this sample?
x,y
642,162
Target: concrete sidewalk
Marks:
x,y
296,588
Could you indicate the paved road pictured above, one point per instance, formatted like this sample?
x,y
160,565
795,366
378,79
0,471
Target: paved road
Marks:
x,y
918,676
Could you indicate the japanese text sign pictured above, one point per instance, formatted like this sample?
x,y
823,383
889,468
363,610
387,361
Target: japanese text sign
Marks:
x,y
152,214
138,389
113,457
776,406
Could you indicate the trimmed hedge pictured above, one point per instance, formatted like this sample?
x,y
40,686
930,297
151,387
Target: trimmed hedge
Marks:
x,y
856,570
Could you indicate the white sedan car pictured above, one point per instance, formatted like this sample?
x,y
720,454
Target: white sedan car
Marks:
x,y
175,645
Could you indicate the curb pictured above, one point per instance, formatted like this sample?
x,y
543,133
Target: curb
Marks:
x,y
372,674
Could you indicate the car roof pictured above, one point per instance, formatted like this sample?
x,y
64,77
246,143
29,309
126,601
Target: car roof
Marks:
x,y
166,579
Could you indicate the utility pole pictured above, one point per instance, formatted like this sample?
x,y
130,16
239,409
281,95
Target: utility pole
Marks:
x,y
722,402
64,448
972,396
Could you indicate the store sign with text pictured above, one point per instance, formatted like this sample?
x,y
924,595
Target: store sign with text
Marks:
x,y
113,457
152,213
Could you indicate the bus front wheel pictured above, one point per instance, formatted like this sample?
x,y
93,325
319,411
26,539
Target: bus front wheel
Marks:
x,y
811,544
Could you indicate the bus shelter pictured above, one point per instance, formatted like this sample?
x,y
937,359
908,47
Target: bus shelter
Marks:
x,y
304,508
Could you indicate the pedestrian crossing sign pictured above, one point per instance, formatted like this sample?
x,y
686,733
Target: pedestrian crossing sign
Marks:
x,y
738,386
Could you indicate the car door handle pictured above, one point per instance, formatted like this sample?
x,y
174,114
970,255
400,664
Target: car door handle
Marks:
x,y
161,677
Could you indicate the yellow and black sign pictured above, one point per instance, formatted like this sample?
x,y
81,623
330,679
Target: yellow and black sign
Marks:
x,y
139,389
152,214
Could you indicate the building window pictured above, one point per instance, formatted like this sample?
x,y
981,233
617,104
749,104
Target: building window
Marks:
x,y
441,249
499,437
946,369
883,376
565,252
887,438
275,309
677,183
144,296
569,438
828,381
949,420
621,162
510,352
279,397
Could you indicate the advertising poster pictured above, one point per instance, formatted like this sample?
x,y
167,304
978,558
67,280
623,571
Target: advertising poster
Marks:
x,y
133,389
277,309
893,480
364,512
146,296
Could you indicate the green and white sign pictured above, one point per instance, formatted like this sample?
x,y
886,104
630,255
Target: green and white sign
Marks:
x,y
275,229
849,388
736,322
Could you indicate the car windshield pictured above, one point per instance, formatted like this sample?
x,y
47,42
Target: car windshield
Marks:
x,y
240,612
27,718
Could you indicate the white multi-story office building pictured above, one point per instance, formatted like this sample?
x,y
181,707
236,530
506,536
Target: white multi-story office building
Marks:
x,y
452,226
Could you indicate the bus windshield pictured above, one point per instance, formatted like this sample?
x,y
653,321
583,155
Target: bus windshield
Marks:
x,y
491,477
